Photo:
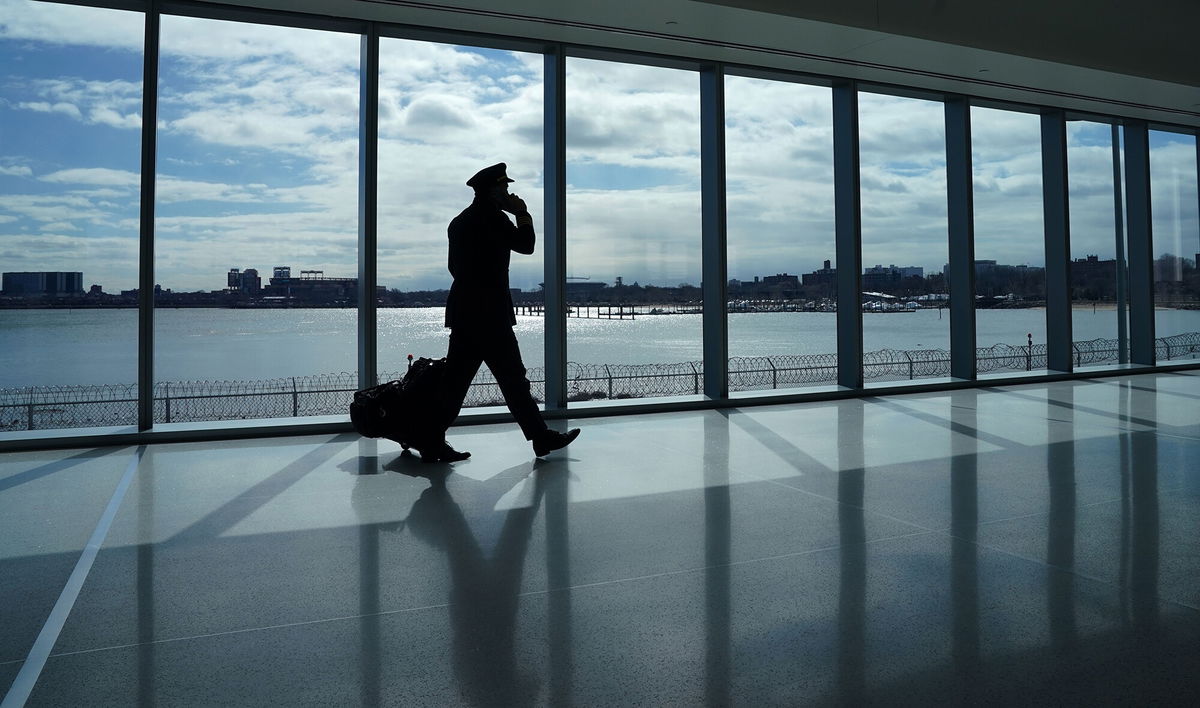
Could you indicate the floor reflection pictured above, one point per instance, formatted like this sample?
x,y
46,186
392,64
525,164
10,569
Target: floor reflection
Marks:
x,y
146,670
1144,515
553,478
717,556
1060,531
370,649
484,594
964,531
852,593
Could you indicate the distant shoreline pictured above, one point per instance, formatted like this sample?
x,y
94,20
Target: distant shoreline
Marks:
x,y
1097,306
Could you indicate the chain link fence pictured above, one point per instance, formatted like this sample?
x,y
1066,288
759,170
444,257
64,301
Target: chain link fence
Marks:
x,y
45,407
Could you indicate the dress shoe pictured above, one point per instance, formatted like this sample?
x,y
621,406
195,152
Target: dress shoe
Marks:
x,y
443,453
551,440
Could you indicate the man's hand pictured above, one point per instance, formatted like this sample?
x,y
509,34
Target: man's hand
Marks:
x,y
514,205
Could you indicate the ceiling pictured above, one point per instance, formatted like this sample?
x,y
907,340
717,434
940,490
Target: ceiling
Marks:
x,y
1153,39
1118,58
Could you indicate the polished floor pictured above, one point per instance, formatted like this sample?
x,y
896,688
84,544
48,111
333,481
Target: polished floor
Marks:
x,y
1031,545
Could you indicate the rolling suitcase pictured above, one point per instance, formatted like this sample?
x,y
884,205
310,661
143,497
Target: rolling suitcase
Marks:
x,y
408,410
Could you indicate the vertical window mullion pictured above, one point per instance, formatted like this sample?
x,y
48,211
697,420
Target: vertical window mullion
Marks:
x,y
1058,242
145,417
368,205
554,241
848,225
714,256
1119,234
1141,249
961,218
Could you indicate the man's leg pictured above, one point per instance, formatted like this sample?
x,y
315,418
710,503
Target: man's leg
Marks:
x,y
462,362
503,357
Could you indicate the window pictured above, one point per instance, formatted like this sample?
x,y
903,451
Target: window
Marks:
x,y
1010,252
905,246
782,263
70,173
1176,241
256,221
1097,245
445,112
633,231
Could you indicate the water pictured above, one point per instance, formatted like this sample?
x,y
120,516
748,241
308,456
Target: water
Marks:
x,y
54,347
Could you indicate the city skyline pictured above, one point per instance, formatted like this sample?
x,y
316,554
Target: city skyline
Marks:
x,y
1165,266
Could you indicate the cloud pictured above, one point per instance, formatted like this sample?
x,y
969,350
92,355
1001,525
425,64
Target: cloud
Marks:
x,y
108,116
16,171
100,176
61,24
440,112
67,109
113,103
54,207
60,226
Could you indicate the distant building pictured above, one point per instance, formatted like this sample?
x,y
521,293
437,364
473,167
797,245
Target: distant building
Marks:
x,y
158,290
881,277
823,277
1086,268
247,281
1169,268
311,286
1094,279
34,284
781,280
584,290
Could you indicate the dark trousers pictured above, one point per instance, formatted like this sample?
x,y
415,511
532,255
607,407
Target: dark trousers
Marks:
x,y
497,347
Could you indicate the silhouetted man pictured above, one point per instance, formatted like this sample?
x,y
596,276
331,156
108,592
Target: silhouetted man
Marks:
x,y
479,311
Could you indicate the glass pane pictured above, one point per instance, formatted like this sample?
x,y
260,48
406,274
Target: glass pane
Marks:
x,y
905,246
782,269
256,221
445,112
1010,251
1176,238
1095,308
70,174
633,231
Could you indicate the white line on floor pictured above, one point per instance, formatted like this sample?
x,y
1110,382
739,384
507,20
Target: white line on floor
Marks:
x,y
23,684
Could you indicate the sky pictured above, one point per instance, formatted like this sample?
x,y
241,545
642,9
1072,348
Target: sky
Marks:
x,y
257,162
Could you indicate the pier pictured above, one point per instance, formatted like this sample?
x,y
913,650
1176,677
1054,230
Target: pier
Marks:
x,y
587,312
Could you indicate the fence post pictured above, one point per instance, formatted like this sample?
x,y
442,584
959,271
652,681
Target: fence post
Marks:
x,y
29,412
609,375
1029,353
1168,346
295,399
695,379
167,400
911,372
1078,354
774,374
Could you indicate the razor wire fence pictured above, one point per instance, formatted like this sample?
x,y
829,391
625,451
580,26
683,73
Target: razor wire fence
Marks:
x,y
84,406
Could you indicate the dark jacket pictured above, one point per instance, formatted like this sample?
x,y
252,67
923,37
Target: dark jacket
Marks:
x,y
481,240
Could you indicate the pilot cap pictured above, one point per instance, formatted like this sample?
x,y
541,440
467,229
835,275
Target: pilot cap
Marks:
x,y
489,176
